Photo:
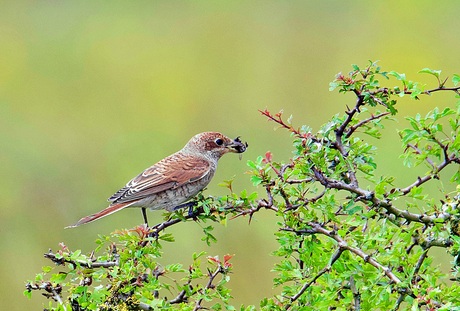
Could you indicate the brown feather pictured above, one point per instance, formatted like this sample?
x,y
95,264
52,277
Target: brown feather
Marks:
x,y
170,173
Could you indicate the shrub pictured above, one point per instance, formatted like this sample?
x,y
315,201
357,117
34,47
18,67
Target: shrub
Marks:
x,y
349,239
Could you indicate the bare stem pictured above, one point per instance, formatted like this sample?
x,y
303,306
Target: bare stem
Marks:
x,y
209,285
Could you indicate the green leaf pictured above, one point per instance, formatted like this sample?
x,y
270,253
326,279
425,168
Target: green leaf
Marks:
x,y
435,73
333,85
195,256
174,268
39,277
397,75
77,256
415,92
456,79
417,193
256,180
455,178
28,294
167,237
58,277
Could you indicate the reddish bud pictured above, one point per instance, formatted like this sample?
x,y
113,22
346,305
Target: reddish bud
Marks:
x,y
214,259
226,261
268,157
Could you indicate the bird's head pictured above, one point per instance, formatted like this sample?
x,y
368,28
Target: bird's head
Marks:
x,y
214,145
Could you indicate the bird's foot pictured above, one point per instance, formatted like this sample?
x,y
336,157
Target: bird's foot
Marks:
x,y
190,206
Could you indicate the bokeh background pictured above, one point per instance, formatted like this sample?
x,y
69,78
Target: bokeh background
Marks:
x,y
93,92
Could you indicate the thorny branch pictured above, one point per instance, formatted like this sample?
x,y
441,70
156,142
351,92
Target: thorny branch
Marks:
x,y
317,228
277,119
382,204
418,151
437,89
356,294
448,159
51,291
54,291
353,128
326,269
368,196
266,204
60,260
209,285
183,297
365,195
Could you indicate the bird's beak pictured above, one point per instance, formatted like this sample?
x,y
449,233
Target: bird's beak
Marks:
x,y
237,145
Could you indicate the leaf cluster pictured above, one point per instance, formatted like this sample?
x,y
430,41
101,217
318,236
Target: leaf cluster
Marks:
x,y
128,275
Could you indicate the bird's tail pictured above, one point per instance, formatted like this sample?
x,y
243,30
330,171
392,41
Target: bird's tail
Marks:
x,y
105,212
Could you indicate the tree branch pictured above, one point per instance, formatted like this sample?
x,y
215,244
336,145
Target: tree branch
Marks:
x,y
353,128
424,179
418,151
60,260
344,246
209,285
356,294
365,195
437,89
53,292
327,268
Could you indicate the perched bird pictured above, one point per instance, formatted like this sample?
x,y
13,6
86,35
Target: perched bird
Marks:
x,y
173,180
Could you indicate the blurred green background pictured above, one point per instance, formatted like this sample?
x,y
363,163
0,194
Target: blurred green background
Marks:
x,y
93,92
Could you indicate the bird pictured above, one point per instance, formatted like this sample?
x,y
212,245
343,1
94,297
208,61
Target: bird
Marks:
x,y
173,180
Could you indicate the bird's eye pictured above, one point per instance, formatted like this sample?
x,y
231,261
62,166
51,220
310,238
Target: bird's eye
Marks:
x,y
219,142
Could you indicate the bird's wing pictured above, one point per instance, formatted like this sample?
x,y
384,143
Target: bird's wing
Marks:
x,y
170,173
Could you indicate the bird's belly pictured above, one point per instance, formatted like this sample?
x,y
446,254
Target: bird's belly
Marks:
x,y
169,199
